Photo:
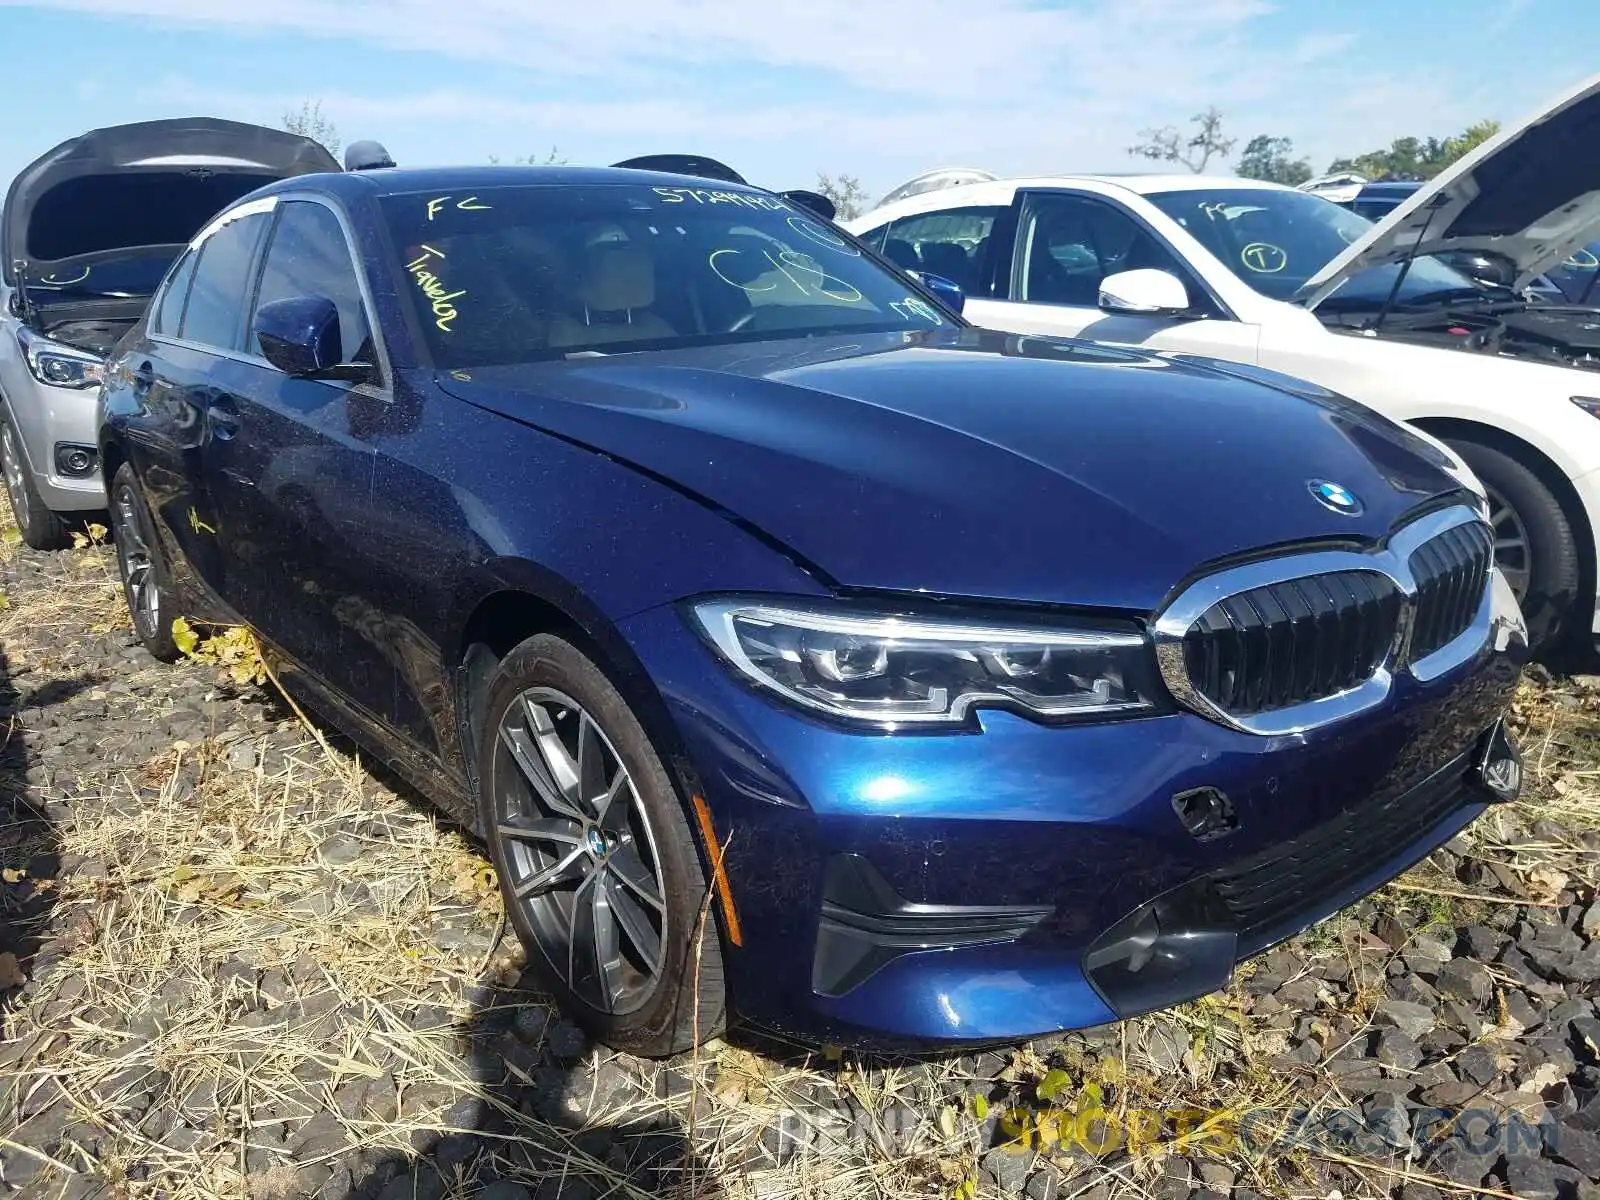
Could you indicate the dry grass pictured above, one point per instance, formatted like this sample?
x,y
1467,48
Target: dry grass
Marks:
x,y
249,934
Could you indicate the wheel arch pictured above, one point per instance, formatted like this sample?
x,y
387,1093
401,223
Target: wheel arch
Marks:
x,y
523,601
1548,472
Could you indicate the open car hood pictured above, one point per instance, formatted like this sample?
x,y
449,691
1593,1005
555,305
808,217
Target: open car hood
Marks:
x,y
152,184
1530,195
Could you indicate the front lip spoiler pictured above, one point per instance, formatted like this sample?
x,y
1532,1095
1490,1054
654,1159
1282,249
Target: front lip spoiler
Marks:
x,y
1187,942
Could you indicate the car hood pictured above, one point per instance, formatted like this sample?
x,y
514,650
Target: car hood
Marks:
x,y
980,464
151,184
1530,194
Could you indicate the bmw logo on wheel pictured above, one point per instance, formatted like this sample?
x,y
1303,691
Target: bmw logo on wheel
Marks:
x,y
1335,497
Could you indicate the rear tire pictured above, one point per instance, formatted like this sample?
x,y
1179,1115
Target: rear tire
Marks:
x,y
146,582
599,870
1534,544
40,528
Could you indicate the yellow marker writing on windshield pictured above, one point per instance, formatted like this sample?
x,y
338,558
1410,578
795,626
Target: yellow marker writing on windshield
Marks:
x,y
470,204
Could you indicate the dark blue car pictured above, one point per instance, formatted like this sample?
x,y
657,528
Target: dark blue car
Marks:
x,y
804,655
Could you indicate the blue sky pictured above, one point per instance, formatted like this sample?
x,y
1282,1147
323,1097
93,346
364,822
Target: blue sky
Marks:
x,y
880,89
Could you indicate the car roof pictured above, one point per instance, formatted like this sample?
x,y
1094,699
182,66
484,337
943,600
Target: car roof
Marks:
x,y
1139,184
384,181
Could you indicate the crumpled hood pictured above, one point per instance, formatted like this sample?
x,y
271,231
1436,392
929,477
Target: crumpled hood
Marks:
x,y
1530,194
977,463
152,183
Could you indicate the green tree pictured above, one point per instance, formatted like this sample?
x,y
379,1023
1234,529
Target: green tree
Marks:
x,y
309,122
1272,159
846,192
1424,157
1192,150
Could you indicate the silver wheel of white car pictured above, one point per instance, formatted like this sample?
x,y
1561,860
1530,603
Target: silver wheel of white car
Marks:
x,y
1534,546
40,528
1512,553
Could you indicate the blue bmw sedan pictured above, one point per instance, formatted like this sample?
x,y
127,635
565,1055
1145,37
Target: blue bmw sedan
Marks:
x,y
804,655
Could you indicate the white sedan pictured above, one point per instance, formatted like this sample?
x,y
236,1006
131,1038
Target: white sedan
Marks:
x,y
1285,280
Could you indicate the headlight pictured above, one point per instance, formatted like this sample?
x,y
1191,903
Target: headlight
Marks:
x,y
909,670
58,365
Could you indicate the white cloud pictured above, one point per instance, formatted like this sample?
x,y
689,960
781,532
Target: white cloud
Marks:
x,y
880,89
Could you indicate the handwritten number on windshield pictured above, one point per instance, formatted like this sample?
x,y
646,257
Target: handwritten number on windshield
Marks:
x,y
912,306
801,270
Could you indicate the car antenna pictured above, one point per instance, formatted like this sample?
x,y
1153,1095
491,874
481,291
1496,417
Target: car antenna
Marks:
x,y
1405,267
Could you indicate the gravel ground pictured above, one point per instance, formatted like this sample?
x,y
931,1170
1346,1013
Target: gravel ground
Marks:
x,y
234,962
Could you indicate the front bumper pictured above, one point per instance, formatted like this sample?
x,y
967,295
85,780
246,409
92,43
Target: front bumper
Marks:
x,y
970,887
46,418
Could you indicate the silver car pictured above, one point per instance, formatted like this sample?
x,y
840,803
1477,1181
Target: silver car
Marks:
x,y
88,232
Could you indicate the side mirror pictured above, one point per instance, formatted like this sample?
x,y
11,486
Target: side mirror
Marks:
x,y
946,289
1145,292
300,336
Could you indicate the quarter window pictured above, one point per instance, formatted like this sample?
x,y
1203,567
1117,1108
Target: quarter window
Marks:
x,y
951,242
308,256
1069,244
169,308
215,315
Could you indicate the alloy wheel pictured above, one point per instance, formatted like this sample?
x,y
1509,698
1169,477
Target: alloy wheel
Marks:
x,y
578,846
11,464
1512,553
133,555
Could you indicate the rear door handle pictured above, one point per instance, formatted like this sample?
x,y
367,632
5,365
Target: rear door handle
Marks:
x,y
222,420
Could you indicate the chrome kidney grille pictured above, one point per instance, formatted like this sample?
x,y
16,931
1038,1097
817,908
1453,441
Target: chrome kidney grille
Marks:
x,y
1286,644
1450,571
1290,642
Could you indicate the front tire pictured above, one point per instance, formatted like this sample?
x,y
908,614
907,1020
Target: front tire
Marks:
x,y
146,582
40,528
1534,545
597,864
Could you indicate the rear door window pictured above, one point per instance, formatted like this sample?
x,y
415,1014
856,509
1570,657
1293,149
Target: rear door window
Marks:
x,y
168,310
221,288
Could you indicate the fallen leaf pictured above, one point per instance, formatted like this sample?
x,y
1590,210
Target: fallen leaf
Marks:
x,y
1055,1082
947,1121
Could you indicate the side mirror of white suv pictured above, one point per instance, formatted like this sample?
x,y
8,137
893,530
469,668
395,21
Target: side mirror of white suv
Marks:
x,y
1144,292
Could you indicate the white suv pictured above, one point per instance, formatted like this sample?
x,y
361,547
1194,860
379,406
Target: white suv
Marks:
x,y
1286,280
88,231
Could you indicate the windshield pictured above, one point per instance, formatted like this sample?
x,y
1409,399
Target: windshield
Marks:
x,y
511,274
136,275
1276,240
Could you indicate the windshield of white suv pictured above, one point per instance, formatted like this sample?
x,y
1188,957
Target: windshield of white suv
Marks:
x,y
1276,240
512,274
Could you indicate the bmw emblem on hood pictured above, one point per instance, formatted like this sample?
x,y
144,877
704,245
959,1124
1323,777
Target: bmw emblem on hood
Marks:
x,y
1335,497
